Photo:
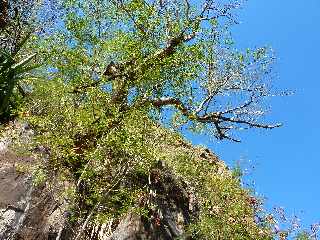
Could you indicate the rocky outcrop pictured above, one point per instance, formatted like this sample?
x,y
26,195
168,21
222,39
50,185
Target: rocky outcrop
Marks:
x,y
15,194
27,212
174,207
30,212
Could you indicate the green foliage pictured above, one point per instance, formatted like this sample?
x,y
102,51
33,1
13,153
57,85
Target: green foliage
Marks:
x,y
39,176
161,54
227,210
112,69
303,236
15,58
11,71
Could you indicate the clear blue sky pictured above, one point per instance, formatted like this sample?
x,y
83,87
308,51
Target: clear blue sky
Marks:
x,y
286,160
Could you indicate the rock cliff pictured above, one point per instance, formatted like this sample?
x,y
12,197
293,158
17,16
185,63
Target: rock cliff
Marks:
x,y
35,211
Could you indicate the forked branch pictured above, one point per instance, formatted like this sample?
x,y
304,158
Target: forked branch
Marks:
x,y
218,119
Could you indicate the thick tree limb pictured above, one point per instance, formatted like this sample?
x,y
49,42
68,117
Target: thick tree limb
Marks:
x,y
173,44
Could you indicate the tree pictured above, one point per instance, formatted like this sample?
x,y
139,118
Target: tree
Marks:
x,y
171,54
111,68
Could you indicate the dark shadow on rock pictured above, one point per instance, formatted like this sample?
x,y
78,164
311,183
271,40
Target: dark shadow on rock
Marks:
x,y
175,206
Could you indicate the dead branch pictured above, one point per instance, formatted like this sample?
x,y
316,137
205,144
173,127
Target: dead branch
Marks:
x,y
218,119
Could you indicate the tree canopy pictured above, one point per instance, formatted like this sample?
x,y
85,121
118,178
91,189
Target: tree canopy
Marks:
x,y
109,70
153,55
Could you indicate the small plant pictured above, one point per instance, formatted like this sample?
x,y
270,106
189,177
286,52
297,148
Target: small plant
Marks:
x,y
12,71
22,168
39,176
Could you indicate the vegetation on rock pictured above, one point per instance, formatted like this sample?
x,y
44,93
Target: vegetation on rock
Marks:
x,y
118,79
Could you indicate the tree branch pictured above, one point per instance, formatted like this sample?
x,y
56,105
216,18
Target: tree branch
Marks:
x,y
217,118
245,105
122,7
205,101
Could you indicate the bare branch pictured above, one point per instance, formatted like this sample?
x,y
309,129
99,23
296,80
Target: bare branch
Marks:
x,y
217,118
222,134
212,117
245,105
205,101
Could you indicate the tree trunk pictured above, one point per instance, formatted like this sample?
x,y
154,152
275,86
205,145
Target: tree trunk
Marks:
x,y
3,13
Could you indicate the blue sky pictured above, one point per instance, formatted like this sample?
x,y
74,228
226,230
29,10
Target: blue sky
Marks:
x,y
286,160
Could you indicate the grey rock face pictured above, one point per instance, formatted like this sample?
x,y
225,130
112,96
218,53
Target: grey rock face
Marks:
x,y
26,212
30,212
175,206
15,194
